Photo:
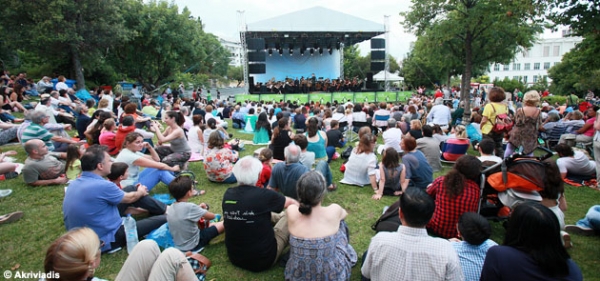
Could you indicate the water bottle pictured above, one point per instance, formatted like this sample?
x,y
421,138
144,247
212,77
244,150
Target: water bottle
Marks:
x,y
130,232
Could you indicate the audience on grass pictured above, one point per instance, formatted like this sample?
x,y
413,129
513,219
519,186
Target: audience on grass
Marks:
x,y
307,158
455,194
574,165
490,111
282,137
262,131
144,169
456,145
219,160
532,249
361,166
184,217
91,201
266,158
317,139
41,168
249,212
410,253
319,237
392,175
178,152
144,205
335,139
528,124
486,150
475,232
431,148
418,170
76,255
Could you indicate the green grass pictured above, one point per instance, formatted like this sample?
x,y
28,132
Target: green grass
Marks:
x,y
25,242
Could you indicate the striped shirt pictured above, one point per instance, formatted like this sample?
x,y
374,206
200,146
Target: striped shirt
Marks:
x,y
35,131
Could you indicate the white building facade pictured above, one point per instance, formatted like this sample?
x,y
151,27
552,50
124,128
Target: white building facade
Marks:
x,y
532,65
235,51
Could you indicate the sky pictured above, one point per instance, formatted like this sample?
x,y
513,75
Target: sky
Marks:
x,y
220,16
221,19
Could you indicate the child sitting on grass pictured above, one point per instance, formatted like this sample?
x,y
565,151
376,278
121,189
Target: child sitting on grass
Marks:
x,y
73,165
475,230
265,156
145,205
183,218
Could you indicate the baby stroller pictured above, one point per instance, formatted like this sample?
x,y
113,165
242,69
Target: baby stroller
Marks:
x,y
515,180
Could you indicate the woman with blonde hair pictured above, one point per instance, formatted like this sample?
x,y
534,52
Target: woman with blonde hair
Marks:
x,y
528,122
415,129
76,256
456,146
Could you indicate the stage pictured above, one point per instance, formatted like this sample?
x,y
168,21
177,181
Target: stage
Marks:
x,y
341,97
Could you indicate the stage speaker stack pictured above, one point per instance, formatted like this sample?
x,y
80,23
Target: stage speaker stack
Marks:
x,y
377,59
256,56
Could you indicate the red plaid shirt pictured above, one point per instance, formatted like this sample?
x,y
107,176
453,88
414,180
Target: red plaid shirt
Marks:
x,y
448,211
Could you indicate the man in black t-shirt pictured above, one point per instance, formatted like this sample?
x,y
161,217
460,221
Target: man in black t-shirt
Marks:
x,y
335,138
252,242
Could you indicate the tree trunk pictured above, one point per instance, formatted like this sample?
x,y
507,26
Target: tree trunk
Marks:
x,y
466,79
76,61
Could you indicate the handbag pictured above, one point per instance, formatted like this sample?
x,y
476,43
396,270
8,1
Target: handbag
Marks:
x,y
200,264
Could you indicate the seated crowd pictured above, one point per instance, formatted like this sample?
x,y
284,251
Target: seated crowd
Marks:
x,y
112,164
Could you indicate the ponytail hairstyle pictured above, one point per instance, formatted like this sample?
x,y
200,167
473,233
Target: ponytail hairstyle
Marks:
x,y
312,129
310,189
467,167
179,118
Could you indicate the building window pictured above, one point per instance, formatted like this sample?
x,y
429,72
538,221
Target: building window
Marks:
x,y
506,67
546,51
535,78
546,65
536,66
525,79
516,78
556,51
516,66
527,66
497,67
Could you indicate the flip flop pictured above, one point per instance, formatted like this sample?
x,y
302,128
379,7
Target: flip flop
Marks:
x,y
198,192
332,187
12,217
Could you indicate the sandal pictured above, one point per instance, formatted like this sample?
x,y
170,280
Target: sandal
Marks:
x,y
12,217
198,192
332,187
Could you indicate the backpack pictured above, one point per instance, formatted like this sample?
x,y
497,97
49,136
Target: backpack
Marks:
x,y
389,220
347,152
503,122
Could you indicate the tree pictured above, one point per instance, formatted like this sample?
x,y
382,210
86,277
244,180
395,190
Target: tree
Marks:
x,y
70,32
236,73
165,42
476,32
582,16
354,64
579,69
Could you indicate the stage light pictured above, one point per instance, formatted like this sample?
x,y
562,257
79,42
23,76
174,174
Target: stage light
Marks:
x,y
312,51
291,52
270,52
281,52
330,51
302,51
320,51
337,45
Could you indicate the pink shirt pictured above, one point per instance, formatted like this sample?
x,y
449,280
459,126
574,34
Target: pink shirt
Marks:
x,y
590,131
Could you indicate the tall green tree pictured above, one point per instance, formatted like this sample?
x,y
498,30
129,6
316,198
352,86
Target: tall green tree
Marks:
x,y
72,32
476,32
165,42
582,16
579,69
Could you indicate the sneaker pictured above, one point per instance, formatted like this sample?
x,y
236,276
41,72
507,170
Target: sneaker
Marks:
x,y
5,192
580,230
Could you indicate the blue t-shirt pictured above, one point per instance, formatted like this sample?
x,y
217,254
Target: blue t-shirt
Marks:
x,y
417,169
91,201
284,177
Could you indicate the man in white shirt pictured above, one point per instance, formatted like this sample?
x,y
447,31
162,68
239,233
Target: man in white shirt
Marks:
x,y
392,136
410,253
574,165
439,115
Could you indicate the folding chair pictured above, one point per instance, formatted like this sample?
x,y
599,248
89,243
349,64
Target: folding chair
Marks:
x,y
353,132
553,136
454,149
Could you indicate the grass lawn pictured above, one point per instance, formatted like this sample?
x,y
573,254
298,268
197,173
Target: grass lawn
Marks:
x,y
25,242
